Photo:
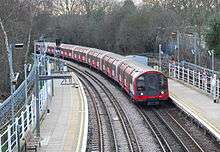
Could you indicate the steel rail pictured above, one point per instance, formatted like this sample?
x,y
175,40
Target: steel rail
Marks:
x,y
99,122
120,112
161,140
133,142
195,144
100,99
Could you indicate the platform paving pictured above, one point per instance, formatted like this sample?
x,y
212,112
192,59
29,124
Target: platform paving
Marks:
x,y
64,129
197,104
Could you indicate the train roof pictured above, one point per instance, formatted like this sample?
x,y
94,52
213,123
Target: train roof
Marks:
x,y
129,61
98,50
137,65
116,56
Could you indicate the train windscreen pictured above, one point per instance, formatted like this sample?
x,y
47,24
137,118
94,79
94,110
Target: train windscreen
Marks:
x,y
151,84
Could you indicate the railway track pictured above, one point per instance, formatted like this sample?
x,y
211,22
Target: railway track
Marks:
x,y
170,135
97,140
122,126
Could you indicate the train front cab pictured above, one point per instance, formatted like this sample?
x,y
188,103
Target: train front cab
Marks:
x,y
151,87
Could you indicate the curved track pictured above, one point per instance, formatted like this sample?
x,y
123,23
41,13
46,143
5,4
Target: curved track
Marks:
x,y
98,138
119,117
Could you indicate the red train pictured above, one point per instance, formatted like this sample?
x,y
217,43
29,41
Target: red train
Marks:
x,y
142,83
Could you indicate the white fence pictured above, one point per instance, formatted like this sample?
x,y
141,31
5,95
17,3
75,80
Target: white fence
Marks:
x,y
209,84
25,121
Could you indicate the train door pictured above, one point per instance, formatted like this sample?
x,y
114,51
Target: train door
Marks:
x,y
110,60
114,63
96,60
104,64
99,60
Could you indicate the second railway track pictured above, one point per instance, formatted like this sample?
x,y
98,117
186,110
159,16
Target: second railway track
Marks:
x,y
169,133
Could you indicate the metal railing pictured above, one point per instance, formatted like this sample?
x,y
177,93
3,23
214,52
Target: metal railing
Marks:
x,y
24,122
199,68
202,80
18,98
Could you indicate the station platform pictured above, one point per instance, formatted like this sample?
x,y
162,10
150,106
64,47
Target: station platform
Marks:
x,y
65,127
198,105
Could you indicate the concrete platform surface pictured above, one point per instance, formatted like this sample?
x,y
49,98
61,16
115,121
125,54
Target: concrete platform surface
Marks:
x,y
197,104
64,129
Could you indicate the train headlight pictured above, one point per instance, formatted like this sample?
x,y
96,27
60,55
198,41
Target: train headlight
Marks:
x,y
162,92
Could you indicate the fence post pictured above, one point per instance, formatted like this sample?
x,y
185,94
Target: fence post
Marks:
x,y
199,78
32,112
217,88
9,138
193,78
22,122
188,76
174,71
206,84
17,134
183,74
28,119
178,70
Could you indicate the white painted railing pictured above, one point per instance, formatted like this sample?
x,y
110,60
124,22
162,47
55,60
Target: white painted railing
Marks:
x,y
209,84
25,121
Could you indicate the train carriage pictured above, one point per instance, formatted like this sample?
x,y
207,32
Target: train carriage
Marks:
x,y
66,50
149,84
109,64
142,83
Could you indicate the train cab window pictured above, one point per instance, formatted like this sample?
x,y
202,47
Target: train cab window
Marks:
x,y
140,85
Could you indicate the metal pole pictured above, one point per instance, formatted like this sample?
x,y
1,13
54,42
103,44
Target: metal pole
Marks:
x,y
160,56
178,46
25,80
12,86
18,135
52,88
213,62
195,49
37,97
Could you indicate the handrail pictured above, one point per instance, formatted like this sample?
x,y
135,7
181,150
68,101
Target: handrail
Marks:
x,y
19,96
